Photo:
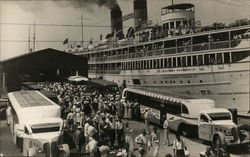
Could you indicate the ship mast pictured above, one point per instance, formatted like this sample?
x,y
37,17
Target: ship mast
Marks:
x,y
29,50
34,38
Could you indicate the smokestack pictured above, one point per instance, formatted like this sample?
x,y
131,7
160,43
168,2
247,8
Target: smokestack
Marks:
x,y
116,22
140,12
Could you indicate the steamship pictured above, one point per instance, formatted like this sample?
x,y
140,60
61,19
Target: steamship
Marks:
x,y
179,56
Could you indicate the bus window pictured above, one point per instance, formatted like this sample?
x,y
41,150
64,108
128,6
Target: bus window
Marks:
x,y
26,130
203,118
173,108
184,109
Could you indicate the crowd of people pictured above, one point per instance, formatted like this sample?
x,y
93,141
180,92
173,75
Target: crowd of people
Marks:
x,y
97,123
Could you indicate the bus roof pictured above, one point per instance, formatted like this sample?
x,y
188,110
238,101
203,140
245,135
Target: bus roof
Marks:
x,y
161,94
30,98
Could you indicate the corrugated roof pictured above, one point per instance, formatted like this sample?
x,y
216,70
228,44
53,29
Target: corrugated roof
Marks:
x,y
31,99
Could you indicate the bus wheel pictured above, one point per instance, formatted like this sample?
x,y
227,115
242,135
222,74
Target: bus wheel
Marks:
x,y
183,130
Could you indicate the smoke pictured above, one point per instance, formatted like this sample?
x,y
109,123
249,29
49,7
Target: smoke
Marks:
x,y
35,5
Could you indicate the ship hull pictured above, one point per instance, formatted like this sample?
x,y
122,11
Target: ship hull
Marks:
x,y
226,84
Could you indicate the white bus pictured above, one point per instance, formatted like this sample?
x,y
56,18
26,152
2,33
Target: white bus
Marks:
x,y
182,111
35,123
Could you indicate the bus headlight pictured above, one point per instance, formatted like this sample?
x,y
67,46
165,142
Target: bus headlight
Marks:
x,y
228,133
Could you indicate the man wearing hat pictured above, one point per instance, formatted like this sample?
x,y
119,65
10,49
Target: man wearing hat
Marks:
x,y
79,138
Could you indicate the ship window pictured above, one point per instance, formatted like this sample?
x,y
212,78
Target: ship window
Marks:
x,y
170,81
227,57
188,60
154,82
179,62
206,59
174,62
151,64
183,61
169,63
212,59
201,81
173,81
188,81
161,81
200,60
194,61
161,63
166,63
144,81
181,82
166,81
219,58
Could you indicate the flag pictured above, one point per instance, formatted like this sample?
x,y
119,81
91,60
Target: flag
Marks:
x,y
66,41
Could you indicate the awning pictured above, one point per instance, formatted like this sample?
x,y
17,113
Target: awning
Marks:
x,y
104,83
77,78
155,95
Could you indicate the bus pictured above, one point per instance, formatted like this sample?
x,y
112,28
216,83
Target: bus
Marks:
x,y
35,123
181,110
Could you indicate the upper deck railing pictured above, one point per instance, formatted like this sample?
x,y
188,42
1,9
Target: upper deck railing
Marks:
x,y
167,51
161,36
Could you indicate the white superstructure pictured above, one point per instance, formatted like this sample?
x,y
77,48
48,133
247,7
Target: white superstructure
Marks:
x,y
181,56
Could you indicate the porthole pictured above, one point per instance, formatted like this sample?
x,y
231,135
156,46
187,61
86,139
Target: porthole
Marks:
x,y
161,81
181,82
170,81
154,82
166,81
188,81
173,81
144,81
201,81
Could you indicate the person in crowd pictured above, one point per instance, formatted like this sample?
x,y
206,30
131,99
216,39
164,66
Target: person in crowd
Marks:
x,y
111,131
70,119
143,142
86,128
166,132
129,110
179,146
155,142
137,111
92,147
91,129
79,138
129,140
119,132
147,117
125,104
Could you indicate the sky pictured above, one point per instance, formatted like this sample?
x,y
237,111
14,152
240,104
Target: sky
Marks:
x,y
14,38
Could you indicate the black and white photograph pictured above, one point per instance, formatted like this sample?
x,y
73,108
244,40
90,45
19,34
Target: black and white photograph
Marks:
x,y
124,78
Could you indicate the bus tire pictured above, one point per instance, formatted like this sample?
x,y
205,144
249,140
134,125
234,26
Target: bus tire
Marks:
x,y
183,130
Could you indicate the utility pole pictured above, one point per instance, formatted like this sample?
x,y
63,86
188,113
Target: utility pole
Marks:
x,y
34,38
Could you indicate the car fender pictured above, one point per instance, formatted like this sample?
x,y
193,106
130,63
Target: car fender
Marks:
x,y
221,136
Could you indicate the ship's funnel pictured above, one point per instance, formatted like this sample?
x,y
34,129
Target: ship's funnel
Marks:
x,y
140,12
116,22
